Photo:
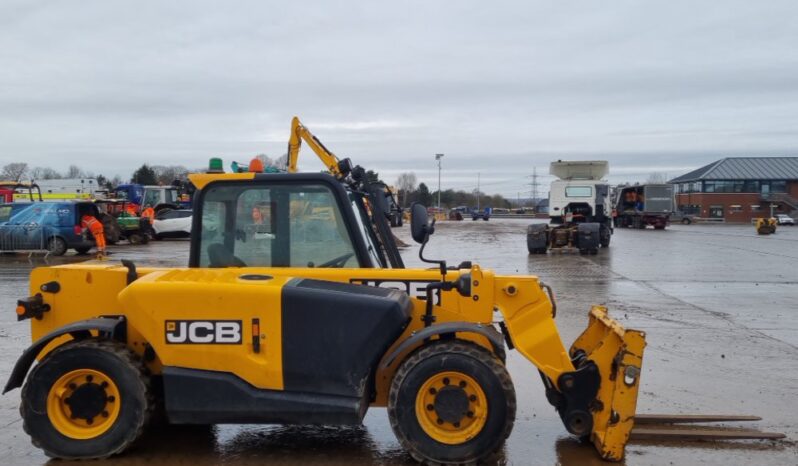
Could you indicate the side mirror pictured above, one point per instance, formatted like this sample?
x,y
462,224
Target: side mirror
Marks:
x,y
419,223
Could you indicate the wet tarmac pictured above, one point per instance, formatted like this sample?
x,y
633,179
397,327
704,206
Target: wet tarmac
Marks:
x,y
719,305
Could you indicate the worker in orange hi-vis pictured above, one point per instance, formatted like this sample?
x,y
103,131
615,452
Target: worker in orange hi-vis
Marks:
x,y
148,213
131,209
90,223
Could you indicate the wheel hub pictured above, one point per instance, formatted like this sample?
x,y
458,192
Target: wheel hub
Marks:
x,y
83,404
87,401
451,404
451,407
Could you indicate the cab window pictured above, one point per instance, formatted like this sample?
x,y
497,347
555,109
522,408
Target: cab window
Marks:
x,y
151,198
578,191
273,226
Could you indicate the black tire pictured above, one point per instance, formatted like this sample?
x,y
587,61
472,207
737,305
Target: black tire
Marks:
x,y
82,251
113,360
57,246
452,356
686,221
135,238
605,234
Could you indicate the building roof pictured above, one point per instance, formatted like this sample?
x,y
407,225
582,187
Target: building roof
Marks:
x,y
745,168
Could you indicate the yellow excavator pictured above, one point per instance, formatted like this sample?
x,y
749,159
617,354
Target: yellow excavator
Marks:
x,y
291,316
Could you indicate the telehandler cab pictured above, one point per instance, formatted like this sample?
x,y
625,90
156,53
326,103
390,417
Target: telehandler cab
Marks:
x,y
271,323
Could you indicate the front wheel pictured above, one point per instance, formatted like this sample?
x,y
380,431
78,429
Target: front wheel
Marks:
x,y
451,402
87,399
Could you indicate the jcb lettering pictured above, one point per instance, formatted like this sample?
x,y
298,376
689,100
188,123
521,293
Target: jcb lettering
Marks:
x,y
219,332
416,289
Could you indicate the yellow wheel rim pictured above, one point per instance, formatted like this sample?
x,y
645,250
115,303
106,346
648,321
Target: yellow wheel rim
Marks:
x,y
451,407
83,404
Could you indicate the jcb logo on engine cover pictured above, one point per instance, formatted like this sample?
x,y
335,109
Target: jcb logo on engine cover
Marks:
x,y
216,332
414,288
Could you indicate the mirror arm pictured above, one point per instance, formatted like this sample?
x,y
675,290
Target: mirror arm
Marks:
x,y
441,264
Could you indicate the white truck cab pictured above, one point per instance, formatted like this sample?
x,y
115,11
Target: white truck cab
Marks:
x,y
580,194
579,209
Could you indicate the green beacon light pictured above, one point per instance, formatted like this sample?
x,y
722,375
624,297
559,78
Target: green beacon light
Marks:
x,y
215,165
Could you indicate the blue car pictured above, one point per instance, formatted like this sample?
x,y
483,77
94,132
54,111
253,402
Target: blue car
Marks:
x,y
50,226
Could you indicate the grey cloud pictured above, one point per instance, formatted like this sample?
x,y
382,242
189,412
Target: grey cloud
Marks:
x,y
497,86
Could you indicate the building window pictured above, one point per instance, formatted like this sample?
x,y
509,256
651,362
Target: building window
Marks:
x,y
756,208
716,211
751,186
778,186
734,209
718,186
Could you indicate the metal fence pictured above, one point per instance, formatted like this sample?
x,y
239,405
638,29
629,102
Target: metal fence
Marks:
x,y
23,238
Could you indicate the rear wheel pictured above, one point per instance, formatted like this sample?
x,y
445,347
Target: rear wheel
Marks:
x,y
88,399
451,402
57,246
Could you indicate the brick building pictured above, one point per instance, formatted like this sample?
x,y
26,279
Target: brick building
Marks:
x,y
737,189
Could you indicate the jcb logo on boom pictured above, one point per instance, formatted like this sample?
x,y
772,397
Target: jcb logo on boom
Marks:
x,y
416,289
218,332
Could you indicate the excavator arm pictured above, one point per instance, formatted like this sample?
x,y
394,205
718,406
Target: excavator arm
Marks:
x,y
299,133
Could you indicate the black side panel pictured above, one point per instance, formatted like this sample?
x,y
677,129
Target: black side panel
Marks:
x,y
334,334
194,396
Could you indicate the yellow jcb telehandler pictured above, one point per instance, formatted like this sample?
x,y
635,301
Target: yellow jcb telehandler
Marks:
x,y
290,316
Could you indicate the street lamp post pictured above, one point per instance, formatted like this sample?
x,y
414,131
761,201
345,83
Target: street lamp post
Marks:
x,y
438,157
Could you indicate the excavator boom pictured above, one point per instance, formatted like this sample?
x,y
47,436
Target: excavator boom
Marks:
x,y
299,133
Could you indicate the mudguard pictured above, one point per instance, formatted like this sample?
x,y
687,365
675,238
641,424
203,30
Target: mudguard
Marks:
x,y
448,328
108,327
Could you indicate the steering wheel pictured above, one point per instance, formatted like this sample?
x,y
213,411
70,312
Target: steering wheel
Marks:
x,y
338,262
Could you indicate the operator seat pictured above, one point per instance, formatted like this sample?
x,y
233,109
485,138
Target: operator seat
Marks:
x,y
219,257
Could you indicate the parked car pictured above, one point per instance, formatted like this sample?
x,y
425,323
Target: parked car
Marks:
x,y
174,223
783,219
681,217
49,226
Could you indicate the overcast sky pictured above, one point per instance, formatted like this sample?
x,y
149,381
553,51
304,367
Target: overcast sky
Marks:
x,y
499,87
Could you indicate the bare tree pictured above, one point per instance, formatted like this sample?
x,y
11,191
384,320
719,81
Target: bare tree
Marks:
x,y
405,183
75,171
166,174
657,178
44,173
14,171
